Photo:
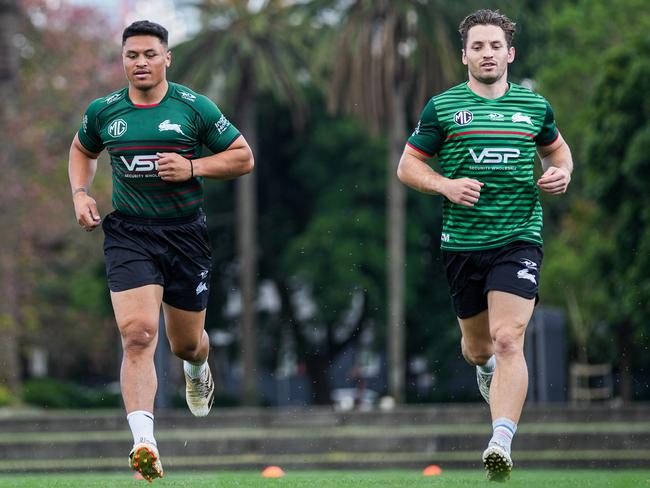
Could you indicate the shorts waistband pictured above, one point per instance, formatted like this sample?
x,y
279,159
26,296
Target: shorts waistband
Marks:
x,y
136,219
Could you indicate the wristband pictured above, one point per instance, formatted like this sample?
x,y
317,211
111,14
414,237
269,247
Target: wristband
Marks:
x,y
191,168
79,190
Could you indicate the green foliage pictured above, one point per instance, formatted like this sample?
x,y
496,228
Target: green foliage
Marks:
x,y
51,393
342,246
66,62
246,50
618,152
602,255
592,64
6,397
573,279
570,41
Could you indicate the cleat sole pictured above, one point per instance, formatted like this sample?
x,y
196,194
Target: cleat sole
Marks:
x,y
145,461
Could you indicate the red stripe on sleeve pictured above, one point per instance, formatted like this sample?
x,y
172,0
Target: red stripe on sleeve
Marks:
x,y
556,138
419,150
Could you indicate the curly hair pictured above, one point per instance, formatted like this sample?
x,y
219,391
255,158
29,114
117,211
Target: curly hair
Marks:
x,y
487,17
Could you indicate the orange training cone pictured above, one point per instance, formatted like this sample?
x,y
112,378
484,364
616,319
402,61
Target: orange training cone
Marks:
x,y
432,470
273,472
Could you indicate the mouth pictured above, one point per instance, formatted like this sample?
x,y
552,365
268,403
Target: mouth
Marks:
x,y
488,65
141,74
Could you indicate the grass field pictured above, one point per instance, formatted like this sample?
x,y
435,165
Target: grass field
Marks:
x,y
334,479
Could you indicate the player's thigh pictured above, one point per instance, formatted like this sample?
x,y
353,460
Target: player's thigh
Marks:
x,y
476,331
184,327
509,313
137,310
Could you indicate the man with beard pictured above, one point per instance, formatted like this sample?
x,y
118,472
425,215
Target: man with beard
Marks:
x,y
485,133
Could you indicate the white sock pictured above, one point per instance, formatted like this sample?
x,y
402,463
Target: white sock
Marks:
x,y
503,431
141,424
194,370
490,365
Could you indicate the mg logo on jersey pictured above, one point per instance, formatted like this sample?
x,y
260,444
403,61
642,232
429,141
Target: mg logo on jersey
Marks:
x,y
463,117
495,155
141,163
117,128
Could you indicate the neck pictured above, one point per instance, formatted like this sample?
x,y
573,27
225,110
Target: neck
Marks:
x,y
148,97
491,91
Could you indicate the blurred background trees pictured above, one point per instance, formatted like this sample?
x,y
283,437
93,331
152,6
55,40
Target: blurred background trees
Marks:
x,y
326,92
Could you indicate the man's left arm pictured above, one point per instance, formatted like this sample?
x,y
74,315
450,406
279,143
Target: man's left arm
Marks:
x,y
236,160
558,166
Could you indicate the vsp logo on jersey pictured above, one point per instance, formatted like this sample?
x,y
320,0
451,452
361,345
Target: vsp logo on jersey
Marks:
x,y
117,128
141,163
494,155
463,117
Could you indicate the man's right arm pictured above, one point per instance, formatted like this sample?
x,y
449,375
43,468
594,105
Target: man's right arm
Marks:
x,y
82,165
414,172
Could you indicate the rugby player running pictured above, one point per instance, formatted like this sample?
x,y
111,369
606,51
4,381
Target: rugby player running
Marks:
x,y
155,241
485,133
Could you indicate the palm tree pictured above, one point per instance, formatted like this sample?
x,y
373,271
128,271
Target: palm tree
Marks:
x,y
9,221
387,53
244,48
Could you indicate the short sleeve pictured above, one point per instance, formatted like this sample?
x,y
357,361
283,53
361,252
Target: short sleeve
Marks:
x,y
89,135
428,134
217,132
549,132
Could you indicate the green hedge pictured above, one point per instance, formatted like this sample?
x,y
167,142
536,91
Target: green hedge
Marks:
x,y
51,393
5,396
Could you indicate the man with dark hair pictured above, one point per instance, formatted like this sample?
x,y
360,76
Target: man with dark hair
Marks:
x,y
486,132
155,242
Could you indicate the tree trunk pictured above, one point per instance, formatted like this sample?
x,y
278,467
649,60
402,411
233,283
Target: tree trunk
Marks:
x,y
318,371
396,228
9,214
247,252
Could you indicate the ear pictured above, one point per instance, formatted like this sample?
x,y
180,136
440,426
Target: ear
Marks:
x,y
168,60
511,54
464,57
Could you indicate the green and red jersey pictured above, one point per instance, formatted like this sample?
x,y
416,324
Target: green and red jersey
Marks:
x,y
493,141
183,122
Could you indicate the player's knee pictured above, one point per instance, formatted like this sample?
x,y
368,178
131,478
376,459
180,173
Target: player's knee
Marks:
x,y
475,355
188,351
477,358
138,335
508,343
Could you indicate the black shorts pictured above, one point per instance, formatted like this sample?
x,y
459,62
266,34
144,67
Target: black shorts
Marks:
x,y
513,268
173,253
